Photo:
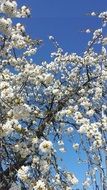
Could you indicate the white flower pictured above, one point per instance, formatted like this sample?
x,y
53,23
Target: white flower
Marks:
x,y
88,31
82,129
14,186
23,172
21,112
45,146
7,93
75,146
74,180
24,152
60,143
35,160
9,7
86,183
93,14
18,40
51,38
7,129
90,112
104,41
97,33
104,51
55,91
57,179
48,78
25,12
16,148
62,149
71,178
5,25
4,84
40,185
68,188
69,130
20,27
35,140
10,126
44,166
103,15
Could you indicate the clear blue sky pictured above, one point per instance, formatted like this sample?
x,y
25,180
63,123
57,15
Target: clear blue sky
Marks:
x,y
64,19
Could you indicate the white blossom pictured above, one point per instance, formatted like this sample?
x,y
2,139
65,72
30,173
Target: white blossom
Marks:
x,y
63,99
21,112
40,185
45,146
76,146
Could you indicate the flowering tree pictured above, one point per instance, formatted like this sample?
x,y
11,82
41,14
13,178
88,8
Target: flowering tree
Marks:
x,y
43,104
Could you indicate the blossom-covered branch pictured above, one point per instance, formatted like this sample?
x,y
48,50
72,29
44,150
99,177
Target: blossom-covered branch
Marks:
x,y
43,104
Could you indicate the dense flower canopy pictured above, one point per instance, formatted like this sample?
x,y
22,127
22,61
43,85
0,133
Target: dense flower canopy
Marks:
x,y
41,104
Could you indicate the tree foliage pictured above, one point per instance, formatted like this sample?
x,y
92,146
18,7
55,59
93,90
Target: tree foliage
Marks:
x,y
42,104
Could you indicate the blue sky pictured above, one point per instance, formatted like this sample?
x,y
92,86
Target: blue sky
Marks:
x,y
64,19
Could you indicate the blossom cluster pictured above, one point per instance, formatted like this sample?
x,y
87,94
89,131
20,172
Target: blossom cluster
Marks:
x,y
10,8
44,105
